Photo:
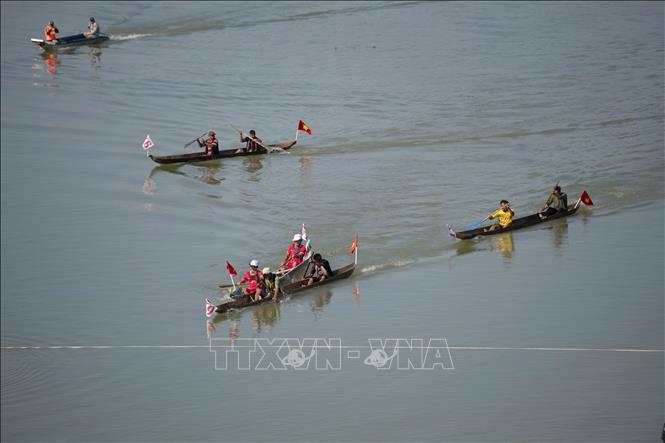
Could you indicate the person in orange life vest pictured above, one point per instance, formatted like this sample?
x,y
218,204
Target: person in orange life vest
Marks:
x,y
254,280
254,144
295,254
211,144
49,32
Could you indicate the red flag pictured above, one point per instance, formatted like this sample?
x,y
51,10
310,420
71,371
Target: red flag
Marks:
x,y
586,199
302,126
147,143
354,245
210,309
231,270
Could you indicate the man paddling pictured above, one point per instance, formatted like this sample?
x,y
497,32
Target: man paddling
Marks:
x,y
295,254
254,144
254,280
320,271
505,215
211,144
556,202
50,32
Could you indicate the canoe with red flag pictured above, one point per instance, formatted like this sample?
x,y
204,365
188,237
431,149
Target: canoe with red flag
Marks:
x,y
226,153
522,222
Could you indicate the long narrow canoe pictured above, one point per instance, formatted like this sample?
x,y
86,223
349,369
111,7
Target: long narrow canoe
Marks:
x,y
70,40
291,288
518,223
227,153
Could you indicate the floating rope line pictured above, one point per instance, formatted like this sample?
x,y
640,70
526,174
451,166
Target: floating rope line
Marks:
x,y
452,348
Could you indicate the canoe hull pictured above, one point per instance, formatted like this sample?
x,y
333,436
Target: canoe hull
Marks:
x,y
519,223
69,41
292,288
227,153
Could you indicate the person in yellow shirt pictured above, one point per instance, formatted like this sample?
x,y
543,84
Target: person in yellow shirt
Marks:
x,y
505,215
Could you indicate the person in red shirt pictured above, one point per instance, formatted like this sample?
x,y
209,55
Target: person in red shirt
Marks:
x,y
254,280
49,32
295,254
211,144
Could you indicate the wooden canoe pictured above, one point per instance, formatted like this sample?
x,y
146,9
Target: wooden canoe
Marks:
x,y
518,223
71,40
226,153
291,288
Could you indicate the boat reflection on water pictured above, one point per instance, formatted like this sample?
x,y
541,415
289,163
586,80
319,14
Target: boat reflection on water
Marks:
x,y
95,54
356,292
208,172
320,300
51,61
265,316
504,244
253,164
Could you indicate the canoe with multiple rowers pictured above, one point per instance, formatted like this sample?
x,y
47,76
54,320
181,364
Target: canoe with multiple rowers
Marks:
x,y
258,287
556,206
52,42
210,144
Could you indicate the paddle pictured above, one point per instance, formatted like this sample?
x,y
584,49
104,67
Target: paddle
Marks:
x,y
185,147
477,225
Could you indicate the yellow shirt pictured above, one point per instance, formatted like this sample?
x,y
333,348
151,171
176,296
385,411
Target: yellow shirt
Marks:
x,y
505,217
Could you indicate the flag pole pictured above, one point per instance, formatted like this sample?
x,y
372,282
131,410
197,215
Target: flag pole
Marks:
x,y
355,259
232,281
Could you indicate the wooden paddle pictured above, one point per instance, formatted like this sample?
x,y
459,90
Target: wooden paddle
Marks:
x,y
185,147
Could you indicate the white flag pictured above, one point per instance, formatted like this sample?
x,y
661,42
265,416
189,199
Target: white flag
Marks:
x,y
210,309
303,232
147,143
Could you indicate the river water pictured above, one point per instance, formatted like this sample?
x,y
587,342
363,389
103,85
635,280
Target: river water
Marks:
x,y
423,115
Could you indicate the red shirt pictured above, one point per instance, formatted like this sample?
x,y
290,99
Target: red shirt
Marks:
x,y
253,281
295,255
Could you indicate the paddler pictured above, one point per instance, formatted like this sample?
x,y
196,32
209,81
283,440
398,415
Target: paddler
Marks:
x,y
556,202
93,29
49,32
505,215
295,254
254,280
254,143
320,271
211,144
270,283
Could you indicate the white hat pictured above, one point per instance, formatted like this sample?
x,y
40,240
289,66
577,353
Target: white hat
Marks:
x,y
266,270
254,263
297,237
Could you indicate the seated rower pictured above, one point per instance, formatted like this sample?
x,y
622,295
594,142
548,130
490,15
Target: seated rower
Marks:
x,y
49,32
320,271
254,144
270,283
254,280
505,215
556,202
211,144
294,255
93,29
